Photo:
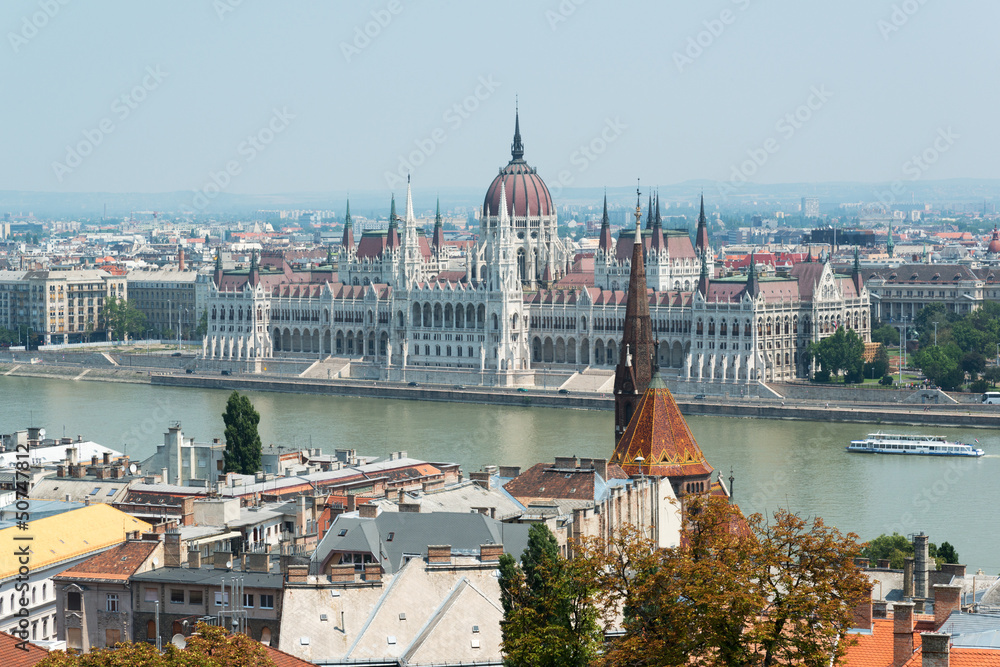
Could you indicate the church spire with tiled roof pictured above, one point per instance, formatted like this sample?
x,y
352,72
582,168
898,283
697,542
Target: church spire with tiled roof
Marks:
x,y
635,362
659,434
606,245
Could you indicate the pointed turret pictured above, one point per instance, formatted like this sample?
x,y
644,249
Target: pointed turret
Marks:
x,y
649,213
437,240
856,271
753,287
606,244
392,239
657,243
701,244
703,277
217,277
635,364
517,148
254,277
347,240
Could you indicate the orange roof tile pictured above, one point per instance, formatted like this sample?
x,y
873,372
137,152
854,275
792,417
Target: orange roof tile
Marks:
x,y
659,433
875,649
118,563
282,659
12,656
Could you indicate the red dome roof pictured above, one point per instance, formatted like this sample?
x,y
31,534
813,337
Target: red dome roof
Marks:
x,y
994,242
527,194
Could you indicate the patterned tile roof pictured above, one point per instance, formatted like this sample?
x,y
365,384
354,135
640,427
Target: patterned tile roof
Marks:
x,y
659,433
874,649
118,563
544,481
12,656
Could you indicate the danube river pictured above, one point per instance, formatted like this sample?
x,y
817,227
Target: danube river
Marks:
x,y
793,464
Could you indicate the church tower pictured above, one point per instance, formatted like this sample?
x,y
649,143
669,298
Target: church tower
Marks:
x,y
635,363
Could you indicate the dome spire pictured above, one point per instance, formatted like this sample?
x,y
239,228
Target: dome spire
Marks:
x,y
517,148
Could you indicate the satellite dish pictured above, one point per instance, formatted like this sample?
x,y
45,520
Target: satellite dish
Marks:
x,y
133,468
229,564
179,640
41,434
155,562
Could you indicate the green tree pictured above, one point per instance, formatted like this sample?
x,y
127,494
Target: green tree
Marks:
x,y
202,328
893,548
549,615
209,646
973,363
941,365
122,318
886,335
243,446
735,591
946,553
992,375
843,351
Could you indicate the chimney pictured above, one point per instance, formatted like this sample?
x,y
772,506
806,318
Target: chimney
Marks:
x,y
86,501
439,554
172,548
368,511
340,574
878,609
94,459
352,503
489,553
902,633
907,577
61,471
920,558
107,458
935,649
953,569
947,598
481,478
862,563
565,462
409,507
373,572
863,612
71,455
194,559
299,574
883,563
258,562
510,471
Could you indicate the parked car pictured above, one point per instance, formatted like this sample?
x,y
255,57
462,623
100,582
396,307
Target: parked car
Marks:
x,y
227,372
699,397
564,391
412,384
522,389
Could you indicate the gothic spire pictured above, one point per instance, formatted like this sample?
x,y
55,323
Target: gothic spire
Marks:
x,y
703,277
347,240
649,212
254,276
392,239
517,148
605,242
753,287
701,243
437,239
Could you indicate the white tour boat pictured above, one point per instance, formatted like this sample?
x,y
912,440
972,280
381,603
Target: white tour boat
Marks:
x,y
926,445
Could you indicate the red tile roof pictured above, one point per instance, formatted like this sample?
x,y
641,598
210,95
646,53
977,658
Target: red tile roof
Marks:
x,y
659,433
118,563
543,481
875,649
282,659
12,656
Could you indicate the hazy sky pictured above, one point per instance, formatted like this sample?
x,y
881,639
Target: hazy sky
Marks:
x,y
295,96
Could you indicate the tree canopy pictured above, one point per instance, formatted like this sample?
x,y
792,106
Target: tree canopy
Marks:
x,y
122,318
735,591
895,548
549,616
843,351
243,445
210,646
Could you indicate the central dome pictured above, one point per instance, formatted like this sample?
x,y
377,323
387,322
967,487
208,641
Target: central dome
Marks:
x,y
527,194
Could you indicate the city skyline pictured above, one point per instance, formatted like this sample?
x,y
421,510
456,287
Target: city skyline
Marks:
x,y
159,98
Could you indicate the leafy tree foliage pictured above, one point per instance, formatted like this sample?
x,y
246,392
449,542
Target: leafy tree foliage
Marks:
x,y
843,351
734,592
992,375
973,363
549,616
202,328
122,318
941,365
946,553
210,646
895,548
243,446
886,335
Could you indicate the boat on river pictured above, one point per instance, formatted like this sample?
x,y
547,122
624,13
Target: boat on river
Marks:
x,y
920,445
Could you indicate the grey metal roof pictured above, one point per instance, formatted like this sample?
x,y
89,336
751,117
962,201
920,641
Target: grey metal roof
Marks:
x,y
412,532
960,623
208,576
